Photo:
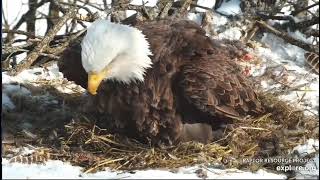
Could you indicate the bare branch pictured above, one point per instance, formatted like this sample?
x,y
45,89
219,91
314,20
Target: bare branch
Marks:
x,y
79,6
92,5
64,10
28,34
164,7
307,23
7,50
53,16
31,20
44,43
304,9
25,16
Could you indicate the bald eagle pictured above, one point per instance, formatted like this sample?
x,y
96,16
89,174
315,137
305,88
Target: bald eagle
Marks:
x,y
154,77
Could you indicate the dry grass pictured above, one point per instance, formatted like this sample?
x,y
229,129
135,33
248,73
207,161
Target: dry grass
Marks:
x,y
83,143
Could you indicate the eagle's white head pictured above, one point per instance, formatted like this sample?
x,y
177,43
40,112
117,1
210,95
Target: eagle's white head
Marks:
x,y
114,51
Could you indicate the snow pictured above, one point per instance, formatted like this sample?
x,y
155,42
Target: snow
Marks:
x,y
298,35
15,89
231,7
34,74
196,17
41,23
130,13
51,73
7,104
309,147
287,62
205,3
313,9
151,3
311,169
59,169
20,7
233,33
286,10
219,20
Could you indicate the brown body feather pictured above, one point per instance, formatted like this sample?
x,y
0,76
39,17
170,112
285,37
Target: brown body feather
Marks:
x,y
193,79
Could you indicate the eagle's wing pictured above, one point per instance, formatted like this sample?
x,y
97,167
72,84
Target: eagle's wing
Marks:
x,y
216,86
70,64
212,81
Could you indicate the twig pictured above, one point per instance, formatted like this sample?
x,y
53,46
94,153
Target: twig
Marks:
x,y
79,6
164,7
303,9
27,14
30,35
102,163
312,32
8,50
199,6
92,5
274,17
250,33
254,128
44,43
64,10
87,18
13,49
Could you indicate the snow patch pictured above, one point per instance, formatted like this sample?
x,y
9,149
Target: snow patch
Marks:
x,y
13,10
196,17
281,50
219,20
231,7
300,36
205,3
34,74
311,169
130,13
7,104
15,89
311,146
288,66
233,33
151,3
59,169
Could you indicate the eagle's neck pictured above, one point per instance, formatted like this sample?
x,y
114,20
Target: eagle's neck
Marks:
x,y
124,50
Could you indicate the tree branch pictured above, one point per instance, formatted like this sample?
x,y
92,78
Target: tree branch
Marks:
x,y
306,23
304,9
44,43
28,34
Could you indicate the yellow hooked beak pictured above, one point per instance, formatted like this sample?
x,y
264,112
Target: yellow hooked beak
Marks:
x,y
94,80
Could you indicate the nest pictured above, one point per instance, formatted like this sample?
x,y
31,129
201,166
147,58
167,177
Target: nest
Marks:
x,y
83,143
